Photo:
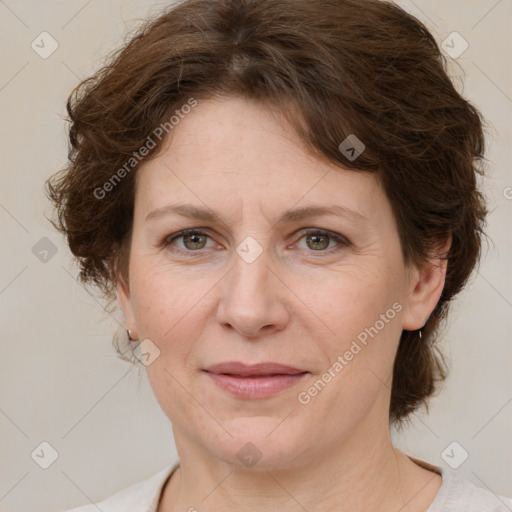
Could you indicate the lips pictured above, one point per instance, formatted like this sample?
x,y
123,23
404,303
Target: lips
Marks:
x,y
253,370
254,381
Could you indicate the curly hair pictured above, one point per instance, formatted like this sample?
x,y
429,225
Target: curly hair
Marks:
x,y
333,68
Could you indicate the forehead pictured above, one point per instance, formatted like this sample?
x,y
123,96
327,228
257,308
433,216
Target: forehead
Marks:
x,y
237,150
235,134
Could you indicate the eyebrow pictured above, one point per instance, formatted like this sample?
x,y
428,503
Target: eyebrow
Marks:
x,y
204,214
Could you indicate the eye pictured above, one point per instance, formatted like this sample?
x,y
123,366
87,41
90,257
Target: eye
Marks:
x,y
318,240
195,240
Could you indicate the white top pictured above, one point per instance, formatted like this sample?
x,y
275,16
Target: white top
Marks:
x,y
455,495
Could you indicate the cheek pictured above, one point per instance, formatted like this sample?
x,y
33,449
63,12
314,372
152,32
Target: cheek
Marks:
x,y
362,310
171,309
351,301
167,310
163,298
365,317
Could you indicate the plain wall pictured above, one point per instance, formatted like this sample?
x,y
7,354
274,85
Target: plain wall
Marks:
x,y
60,379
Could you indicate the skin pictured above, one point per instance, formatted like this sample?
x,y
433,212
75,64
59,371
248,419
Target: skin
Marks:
x,y
297,303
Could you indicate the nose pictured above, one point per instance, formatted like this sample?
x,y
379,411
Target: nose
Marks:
x,y
253,298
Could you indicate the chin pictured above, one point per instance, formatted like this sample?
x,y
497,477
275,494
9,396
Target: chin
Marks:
x,y
259,443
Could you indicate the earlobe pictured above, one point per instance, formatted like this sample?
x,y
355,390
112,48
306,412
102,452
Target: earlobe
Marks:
x,y
426,287
125,304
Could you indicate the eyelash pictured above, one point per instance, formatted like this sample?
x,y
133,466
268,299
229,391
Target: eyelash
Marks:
x,y
341,240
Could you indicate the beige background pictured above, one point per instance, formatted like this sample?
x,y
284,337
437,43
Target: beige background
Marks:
x,y
60,379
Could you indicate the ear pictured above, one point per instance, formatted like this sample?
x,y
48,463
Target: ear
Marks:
x,y
425,288
125,303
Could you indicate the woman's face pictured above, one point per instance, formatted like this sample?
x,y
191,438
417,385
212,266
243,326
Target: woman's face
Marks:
x,y
326,294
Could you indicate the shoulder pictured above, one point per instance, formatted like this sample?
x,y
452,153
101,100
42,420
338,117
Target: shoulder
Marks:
x,y
141,496
460,495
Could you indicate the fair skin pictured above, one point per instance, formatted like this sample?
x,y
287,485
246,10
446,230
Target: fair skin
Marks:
x,y
301,302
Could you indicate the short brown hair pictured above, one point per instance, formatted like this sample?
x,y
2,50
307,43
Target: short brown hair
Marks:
x,y
362,67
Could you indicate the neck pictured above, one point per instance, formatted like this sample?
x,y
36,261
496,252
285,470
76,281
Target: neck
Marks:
x,y
366,474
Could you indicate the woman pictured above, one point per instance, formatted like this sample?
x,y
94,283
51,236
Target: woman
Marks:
x,y
281,196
